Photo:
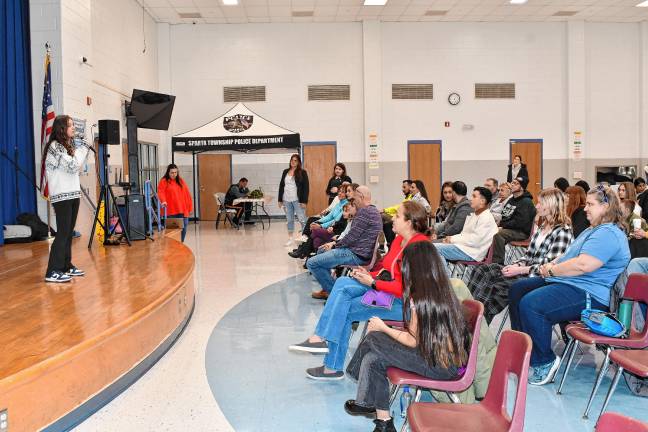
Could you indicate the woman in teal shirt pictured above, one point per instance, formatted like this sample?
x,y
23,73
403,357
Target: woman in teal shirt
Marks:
x,y
588,268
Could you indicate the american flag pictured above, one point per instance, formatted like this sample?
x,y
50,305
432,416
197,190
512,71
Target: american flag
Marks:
x,y
47,117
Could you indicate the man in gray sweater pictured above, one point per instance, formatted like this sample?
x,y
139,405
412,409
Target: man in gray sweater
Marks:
x,y
455,221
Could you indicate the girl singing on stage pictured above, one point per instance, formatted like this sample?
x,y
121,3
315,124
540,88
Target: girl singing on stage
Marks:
x,y
63,161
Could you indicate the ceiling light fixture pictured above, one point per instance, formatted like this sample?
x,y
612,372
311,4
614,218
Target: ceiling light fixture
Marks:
x,y
643,4
517,2
375,2
230,2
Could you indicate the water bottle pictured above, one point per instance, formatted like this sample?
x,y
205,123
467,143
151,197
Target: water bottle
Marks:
x,y
625,313
405,400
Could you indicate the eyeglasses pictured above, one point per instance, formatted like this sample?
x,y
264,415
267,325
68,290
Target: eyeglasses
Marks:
x,y
600,188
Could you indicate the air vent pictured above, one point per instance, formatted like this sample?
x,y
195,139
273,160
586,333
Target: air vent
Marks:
x,y
412,91
301,14
495,91
329,92
190,15
244,94
565,13
436,12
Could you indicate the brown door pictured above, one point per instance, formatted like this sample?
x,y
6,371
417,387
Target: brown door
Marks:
x,y
425,165
319,160
215,175
531,152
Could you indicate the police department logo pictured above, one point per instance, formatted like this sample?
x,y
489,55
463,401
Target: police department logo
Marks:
x,y
237,123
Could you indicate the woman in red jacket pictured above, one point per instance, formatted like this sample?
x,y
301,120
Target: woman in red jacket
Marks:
x,y
348,301
174,193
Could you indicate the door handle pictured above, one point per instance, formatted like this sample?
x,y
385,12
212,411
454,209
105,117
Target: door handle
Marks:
x,y
538,184
202,189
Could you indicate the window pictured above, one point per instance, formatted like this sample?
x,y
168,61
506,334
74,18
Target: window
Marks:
x,y
148,169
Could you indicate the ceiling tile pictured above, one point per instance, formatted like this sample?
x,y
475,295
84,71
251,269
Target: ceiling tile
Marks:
x,y
182,3
393,10
328,11
256,12
156,3
215,20
415,10
211,12
348,10
280,11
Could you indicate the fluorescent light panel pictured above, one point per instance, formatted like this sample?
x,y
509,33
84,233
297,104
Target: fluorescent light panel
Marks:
x,y
230,2
517,2
643,4
375,2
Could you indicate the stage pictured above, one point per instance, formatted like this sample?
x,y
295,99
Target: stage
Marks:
x,y
67,349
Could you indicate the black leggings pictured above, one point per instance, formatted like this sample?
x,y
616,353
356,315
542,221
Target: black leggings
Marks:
x,y
60,258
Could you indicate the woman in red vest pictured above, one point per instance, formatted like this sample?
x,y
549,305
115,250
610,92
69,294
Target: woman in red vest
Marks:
x,y
174,193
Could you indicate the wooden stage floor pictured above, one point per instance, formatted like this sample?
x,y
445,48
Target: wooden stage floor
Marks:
x,y
63,345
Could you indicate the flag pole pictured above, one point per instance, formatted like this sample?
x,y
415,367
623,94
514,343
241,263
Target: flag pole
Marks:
x,y
49,204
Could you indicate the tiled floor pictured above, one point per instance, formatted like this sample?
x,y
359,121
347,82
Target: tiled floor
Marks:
x,y
231,369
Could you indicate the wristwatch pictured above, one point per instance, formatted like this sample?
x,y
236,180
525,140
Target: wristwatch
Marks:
x,y
373,284
550,271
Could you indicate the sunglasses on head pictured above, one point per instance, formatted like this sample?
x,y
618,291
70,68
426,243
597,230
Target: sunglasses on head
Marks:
x,y
600,188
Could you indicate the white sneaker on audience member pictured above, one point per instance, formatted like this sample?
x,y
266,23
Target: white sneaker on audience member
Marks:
x,y
289,242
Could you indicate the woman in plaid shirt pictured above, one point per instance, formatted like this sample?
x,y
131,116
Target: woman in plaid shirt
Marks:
x,y
490,283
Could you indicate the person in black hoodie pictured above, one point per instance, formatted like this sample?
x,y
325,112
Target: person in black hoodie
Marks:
x,y
517,218
517,169
339,176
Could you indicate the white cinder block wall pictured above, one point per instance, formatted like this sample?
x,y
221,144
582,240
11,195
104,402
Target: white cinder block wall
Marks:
x,y
195,62
111,37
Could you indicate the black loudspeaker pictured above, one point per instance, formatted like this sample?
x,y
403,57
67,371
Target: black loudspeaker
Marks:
x,y
109,132
136,216
133,153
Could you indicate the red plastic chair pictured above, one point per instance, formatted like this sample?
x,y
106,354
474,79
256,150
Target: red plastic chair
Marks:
x,y
613,422
474,312
633,361
513,356
636,290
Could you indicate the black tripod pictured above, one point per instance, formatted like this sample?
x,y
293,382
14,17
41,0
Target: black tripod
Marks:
x,y
107,197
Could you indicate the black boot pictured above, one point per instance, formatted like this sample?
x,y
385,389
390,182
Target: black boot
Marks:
x,y
384,425
354,409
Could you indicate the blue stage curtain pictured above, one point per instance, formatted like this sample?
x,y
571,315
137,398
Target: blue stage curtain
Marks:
x,y
17,173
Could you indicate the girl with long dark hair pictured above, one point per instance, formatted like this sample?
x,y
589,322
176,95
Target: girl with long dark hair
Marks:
x,y
419,195
446,202
434,343
339,176
174,193
293,194
63,161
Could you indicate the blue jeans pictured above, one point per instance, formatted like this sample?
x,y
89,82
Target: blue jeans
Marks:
x,y
185,223
450,252
321,265
344,306
535,306
292,208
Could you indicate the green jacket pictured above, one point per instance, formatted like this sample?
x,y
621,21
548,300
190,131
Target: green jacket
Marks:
x,y
485,355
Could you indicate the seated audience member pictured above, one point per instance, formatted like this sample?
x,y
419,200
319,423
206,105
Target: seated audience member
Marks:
x,y
497,206
640,186
475,239
576,209
516,169
419,195
239,190
517,218
320,236
636,229
435,342
490,283
584,185
455,221
389,212
627,191
561,183
307,228
335,182
356,248
446,203
345,303
587,270
636,265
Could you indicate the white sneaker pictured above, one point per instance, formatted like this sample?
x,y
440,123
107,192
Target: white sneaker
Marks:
x,y
289,242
